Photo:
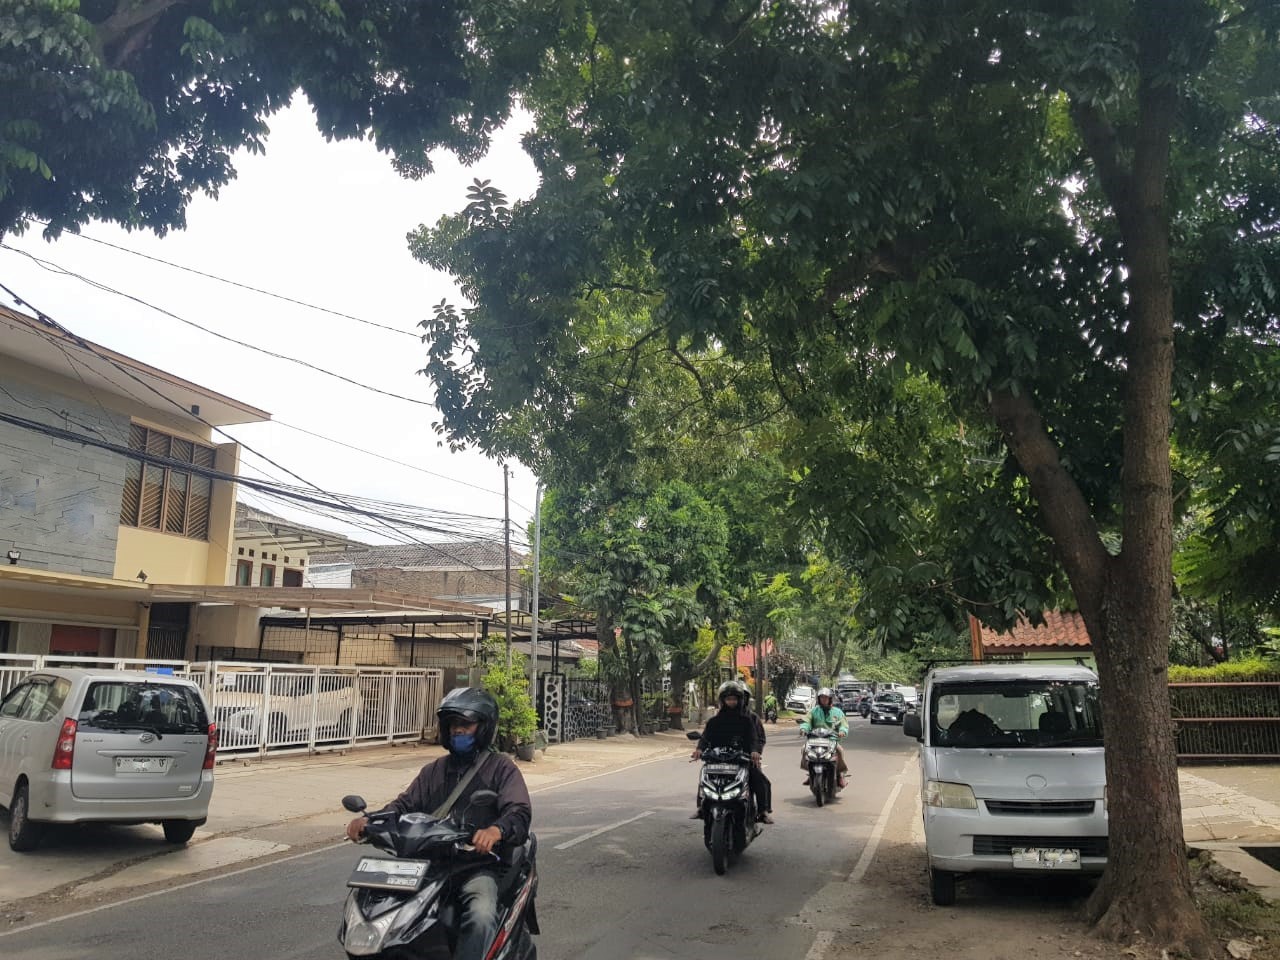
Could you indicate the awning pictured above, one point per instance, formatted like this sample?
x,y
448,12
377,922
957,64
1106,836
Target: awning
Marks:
x,y
314,599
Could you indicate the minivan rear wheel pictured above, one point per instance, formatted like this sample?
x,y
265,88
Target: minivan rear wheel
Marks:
x,y
23,833
942,887
179,831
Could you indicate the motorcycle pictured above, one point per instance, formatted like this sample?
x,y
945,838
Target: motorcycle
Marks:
x,y
399,906
725,803
771,714
821,758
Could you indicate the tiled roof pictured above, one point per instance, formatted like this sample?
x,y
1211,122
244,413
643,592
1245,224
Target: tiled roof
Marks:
x,y
453,555
1061,629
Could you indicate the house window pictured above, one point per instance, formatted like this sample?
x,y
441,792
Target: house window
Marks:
x,y
244,573
165,498
267,576
292,578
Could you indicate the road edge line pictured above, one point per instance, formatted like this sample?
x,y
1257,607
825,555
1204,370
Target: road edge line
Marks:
x,y
882,822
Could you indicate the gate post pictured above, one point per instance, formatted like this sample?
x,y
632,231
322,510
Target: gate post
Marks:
x,y
553,706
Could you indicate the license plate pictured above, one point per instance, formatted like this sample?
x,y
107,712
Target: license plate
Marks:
x,y
1038,858
143,764
381,874
722,768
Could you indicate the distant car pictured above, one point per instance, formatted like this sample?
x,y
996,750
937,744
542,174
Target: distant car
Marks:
x,y
105,746
801,699
909,693
887,707
849,696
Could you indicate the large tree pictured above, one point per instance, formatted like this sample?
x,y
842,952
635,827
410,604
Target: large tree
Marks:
x,y
121,110
1028,204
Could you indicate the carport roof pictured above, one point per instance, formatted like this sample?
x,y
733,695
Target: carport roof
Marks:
x,y
315,599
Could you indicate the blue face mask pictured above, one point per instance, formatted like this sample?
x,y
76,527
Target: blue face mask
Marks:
x,y
462,743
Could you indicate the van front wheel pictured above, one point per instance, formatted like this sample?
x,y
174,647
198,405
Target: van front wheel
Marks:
x,y
942,887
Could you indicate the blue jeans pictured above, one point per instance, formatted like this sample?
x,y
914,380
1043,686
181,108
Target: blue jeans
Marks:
x,y
478,915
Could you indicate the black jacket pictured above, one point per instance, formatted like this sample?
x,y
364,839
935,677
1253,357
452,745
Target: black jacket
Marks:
x,y
730,728
434,782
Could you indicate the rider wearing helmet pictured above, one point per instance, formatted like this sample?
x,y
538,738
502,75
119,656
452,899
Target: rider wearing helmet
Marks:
x,y
468,721
732,726
825,714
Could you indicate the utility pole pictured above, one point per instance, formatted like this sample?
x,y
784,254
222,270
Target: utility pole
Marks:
x,y
506,549
533,633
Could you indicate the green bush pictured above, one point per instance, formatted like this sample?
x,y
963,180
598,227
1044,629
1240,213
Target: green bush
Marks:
x,y
1233,671
517,719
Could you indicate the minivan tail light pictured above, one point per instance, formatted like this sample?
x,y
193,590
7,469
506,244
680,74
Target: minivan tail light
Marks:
x,y
65,749
212,748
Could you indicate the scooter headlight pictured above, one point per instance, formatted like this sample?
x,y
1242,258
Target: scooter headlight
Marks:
x,y
364,937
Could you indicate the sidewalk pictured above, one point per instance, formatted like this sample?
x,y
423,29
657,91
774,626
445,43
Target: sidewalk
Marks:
x,y
278,806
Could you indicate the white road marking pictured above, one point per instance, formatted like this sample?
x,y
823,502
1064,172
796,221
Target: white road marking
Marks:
x,y
595,833
821,944
869,851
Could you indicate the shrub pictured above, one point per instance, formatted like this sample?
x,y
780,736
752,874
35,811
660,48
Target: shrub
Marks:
x,y
517,719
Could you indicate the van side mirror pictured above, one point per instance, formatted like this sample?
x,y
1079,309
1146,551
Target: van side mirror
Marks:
x,y
911,726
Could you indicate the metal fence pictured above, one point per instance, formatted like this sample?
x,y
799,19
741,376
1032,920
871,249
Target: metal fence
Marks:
x,y
1226,721
287,708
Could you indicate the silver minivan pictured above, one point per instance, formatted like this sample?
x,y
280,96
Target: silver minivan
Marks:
x,y
105,746
1012,771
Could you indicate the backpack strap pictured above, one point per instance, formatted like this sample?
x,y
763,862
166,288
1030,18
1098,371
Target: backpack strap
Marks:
x,y
446,808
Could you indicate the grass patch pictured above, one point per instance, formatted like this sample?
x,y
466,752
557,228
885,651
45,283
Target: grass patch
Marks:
x,y
1233,910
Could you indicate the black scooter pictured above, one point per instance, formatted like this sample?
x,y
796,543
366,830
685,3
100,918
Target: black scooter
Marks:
x,y
400,906
820,756
726,805
771,714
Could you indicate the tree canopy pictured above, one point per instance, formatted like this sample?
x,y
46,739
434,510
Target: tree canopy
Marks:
x,y
122,110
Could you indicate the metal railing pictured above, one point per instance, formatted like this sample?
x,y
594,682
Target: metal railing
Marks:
x,y
1226,720
286,708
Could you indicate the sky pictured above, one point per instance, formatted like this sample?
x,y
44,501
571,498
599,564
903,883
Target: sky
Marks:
x,y
325,224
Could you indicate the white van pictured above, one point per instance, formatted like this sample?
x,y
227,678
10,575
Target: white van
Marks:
x,y
1012,772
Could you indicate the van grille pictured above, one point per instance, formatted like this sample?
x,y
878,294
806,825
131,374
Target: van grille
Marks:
x,y
1088,846
1044,808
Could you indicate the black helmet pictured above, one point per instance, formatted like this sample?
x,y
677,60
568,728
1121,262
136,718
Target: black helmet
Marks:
x,y
473,705
729,687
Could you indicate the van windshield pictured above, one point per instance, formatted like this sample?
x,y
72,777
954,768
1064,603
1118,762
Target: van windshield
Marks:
x,y
1016,713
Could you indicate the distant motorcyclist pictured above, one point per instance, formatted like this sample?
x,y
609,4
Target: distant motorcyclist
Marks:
x,y
468,719
733,727
825,714
770,706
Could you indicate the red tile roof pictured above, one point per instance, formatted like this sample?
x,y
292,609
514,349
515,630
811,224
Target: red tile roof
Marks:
x,y
1061,630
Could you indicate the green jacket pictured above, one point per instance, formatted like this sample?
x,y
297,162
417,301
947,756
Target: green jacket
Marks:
x,y
771,701
833,720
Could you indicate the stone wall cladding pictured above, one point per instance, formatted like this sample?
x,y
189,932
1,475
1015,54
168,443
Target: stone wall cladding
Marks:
x,y
60,500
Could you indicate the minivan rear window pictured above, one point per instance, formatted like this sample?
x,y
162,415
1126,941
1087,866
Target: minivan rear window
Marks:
x,y
1016,713
150,704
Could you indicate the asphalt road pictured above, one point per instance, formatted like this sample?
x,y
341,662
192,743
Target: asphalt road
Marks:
x,y
624,876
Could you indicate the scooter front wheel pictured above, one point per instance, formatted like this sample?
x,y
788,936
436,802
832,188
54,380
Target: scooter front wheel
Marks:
x,y
720,845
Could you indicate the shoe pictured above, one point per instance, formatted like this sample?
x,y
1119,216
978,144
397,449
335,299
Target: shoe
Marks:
x,y
764,818
843,782
696,815
806,782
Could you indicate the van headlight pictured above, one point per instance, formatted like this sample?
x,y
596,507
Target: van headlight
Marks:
x,y
957,796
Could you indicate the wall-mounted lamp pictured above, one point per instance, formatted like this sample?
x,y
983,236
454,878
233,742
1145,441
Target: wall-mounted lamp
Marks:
x,y
14,557
142,575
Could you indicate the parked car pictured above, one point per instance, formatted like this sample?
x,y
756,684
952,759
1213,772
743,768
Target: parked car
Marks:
x,y
887,707
105,746
801,699
909,693
1011,759
332,701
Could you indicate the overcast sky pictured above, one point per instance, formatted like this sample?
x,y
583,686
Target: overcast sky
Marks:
x,y
319,222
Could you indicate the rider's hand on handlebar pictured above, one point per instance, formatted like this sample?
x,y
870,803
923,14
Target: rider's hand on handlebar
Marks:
x,y
696,755
756,758
485,840
355,829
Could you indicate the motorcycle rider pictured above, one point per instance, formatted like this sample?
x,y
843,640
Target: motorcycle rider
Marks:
x,y
771,706
730,727
826,714
468,720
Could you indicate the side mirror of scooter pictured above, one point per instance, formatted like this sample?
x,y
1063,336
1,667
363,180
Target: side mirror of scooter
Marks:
x,y
693,734
354,802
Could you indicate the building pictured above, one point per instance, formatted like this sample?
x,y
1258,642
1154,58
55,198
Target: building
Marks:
x,y
468,571
1062,637
111,481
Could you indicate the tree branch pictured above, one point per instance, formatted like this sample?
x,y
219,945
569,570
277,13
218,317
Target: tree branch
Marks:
x,y
123,33
1103,146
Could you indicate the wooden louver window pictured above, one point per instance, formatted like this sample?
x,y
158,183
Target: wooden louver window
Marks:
x,y
162,497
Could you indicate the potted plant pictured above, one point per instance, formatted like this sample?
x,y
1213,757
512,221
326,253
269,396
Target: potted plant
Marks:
x,y
517,719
